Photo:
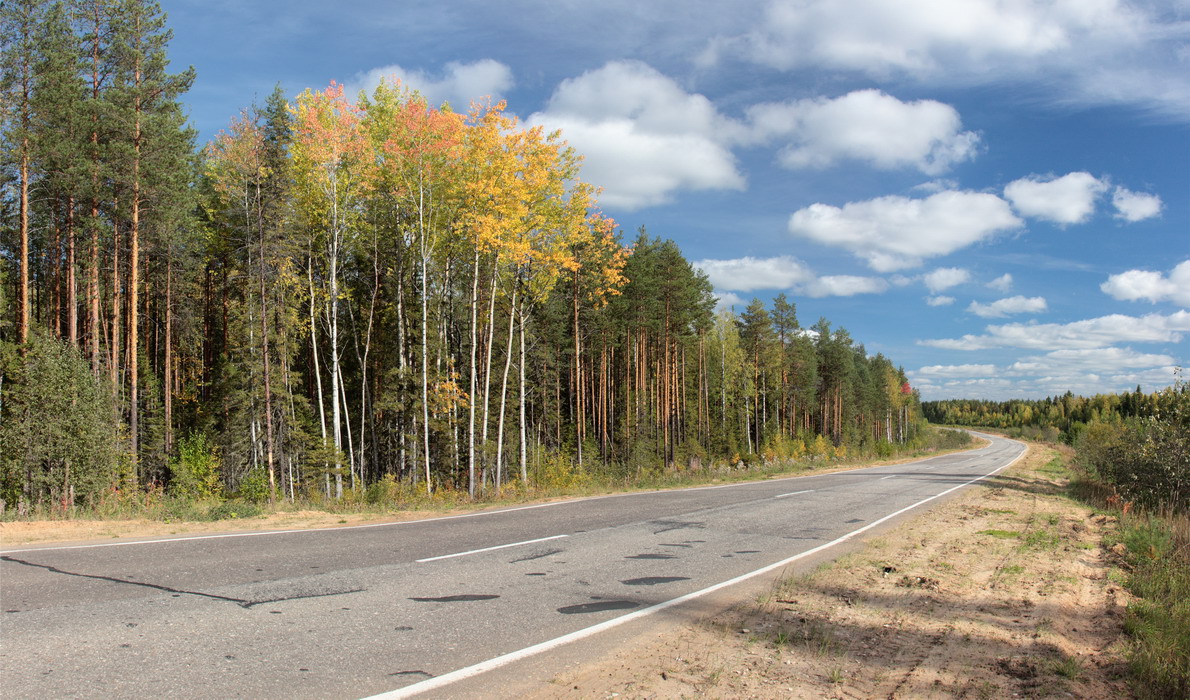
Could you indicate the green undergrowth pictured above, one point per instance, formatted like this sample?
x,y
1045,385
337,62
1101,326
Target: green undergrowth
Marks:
x,y
1155,560
552,476
1153,565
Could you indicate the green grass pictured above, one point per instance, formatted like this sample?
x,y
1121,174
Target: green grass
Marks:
x,y
1001,534
1042,539
1054,467
1156,569
549,479
1159,620
1067,667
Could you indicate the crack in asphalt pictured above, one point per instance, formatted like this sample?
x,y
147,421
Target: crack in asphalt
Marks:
x,y
668,525
538,555
247,604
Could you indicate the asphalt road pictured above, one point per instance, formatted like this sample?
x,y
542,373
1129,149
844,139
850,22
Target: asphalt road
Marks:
x,y
358,611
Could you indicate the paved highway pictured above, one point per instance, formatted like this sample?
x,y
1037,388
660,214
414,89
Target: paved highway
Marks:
x,y
402,608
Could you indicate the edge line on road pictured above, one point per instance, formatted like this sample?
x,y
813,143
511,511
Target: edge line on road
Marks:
x,y
511,657
795,493
490,549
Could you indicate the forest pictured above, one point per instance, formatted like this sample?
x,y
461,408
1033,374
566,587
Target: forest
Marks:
x,y
1052,418
1136,444
340,293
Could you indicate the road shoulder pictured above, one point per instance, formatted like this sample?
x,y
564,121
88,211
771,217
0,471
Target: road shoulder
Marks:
x,y
1002,590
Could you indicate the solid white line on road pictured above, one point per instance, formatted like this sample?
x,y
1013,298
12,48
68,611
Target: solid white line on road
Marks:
x,y
795,493
890,476
505,659
489,549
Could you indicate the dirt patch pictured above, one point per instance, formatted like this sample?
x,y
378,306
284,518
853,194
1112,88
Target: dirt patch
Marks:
x,y
46,531
936,608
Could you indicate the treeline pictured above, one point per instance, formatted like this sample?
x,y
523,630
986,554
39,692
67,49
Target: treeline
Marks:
x,y
1053,418
1136,443
1146,459
336,293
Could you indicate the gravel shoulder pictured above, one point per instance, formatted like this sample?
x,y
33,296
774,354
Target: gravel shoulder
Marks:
x,y
1002,591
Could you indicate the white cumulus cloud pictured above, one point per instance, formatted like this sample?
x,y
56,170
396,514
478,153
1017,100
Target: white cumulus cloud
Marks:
x,y
1135,285
1090,333
642,136
938,371
1083,51
459,83
724,301
749,274
868,126
843,286
1012,305
1069,199
893,233
1135,206
940,300
1082,360
918,36
1003,283
944,278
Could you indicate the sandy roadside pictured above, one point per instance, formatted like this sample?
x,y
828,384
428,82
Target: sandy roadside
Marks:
x,y
27,532
1003,591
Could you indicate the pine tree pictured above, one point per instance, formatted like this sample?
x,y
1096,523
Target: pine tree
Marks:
x,y
59,153
145,97
19,29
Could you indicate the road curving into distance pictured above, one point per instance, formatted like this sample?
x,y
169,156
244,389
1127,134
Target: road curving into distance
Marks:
x,y
400,609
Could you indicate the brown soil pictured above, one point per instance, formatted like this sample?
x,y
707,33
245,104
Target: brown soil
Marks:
x,y
23,532
1002,591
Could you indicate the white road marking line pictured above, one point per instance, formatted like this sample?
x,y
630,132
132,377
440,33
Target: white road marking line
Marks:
x,y
489,549
890,476
795,493
505,659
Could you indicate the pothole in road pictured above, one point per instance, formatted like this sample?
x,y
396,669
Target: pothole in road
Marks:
x,y
462,598
599,606
653,580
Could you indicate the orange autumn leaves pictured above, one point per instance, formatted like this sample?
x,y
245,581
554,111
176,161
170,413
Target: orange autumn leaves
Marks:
x,y
478,180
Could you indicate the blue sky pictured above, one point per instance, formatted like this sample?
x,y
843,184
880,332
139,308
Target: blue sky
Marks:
x,y
993,193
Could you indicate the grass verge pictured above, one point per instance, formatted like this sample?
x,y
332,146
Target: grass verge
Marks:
x,y
1155,553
